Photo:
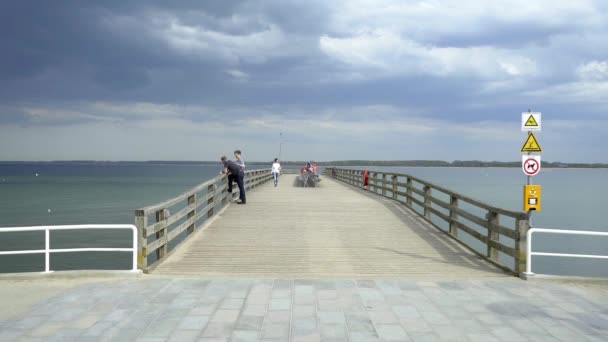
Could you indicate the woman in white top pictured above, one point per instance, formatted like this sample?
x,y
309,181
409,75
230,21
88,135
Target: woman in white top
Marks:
x,y
276,171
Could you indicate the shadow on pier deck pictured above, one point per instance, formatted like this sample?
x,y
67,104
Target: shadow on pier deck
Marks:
x,y
333,230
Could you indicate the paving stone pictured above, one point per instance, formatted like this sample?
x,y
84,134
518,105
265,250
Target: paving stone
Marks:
x,y
202,310
424,337
405,312
383,317
304,311
306,338
335,317
258,300
416,325
160,328
277,317
280,304
245,336
249,323
304,326
10,334
333,332
225,316
193,323
358,336
507,334
218,330
232,303
449,332
150,339
470,326
358,323
28,323
391,332
185,335
255,310
275,331
281,294
482,338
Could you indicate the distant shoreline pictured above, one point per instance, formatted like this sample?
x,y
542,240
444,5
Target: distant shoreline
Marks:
x,y
402,163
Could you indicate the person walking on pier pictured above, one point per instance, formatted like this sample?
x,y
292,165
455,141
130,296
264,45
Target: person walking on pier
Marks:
x,y
276,171
233,169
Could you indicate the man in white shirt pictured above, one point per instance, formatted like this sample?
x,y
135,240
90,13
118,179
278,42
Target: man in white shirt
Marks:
x,y
276,171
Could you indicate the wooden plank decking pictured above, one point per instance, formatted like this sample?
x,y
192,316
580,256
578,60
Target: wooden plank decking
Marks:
x,y
332,230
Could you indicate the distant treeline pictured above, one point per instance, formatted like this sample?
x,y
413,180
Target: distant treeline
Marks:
x,y
416,163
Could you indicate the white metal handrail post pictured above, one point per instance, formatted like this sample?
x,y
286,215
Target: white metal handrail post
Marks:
x,y
47,252
47,242
529,252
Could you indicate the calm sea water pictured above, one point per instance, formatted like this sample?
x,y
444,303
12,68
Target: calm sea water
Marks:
x,y
109,193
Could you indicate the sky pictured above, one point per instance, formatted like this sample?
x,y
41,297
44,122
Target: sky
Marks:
x,y
316,79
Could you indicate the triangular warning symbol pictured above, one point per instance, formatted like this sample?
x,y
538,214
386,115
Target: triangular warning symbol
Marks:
x,y
531,122
531,144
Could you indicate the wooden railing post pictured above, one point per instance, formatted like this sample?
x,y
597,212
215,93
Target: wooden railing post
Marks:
x,y
394,179
191,201
373,182
224,195
521,244
453,216
492,235
162,251
427,202
384,184
211,190
141,222
408,200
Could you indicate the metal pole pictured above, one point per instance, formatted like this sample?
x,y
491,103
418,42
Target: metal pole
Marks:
x,y
280,144
529,183
47,245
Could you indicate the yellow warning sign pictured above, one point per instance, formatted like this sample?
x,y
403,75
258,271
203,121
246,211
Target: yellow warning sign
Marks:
x,y
531,122
531,144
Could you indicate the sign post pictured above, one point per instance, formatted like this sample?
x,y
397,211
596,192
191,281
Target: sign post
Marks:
x,y
530,164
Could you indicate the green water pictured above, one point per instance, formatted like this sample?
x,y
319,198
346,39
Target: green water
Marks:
x,y
109,193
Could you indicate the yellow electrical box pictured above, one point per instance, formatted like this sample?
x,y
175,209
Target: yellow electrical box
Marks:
x,y
531,197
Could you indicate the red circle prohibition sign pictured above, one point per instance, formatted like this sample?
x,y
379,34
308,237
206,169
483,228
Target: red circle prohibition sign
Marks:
x,y
531,166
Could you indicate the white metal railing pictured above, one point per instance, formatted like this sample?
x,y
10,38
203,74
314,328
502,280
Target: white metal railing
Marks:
x,y
558,231
47,241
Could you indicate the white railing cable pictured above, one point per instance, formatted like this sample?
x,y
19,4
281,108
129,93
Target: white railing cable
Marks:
x,y
47,242
558,231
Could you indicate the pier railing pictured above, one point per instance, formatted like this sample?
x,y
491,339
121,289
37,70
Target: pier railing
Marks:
x,y
47,251
496,234
159,230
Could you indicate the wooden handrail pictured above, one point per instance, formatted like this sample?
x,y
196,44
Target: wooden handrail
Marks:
x,y
199,204
387,184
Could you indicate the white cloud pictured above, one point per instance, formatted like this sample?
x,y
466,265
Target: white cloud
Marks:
x,y
588,93
593,71
385,53
348,132
427,19
204,43
237,75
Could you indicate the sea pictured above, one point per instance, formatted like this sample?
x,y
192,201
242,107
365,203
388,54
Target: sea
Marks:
x,y
38,194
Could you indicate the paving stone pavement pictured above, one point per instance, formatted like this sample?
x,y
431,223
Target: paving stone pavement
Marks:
x,y
182,309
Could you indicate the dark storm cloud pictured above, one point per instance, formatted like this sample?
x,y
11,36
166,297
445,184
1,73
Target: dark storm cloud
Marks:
x,y
57,53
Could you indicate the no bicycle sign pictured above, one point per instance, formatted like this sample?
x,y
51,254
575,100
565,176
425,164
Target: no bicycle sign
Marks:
x,y
530,165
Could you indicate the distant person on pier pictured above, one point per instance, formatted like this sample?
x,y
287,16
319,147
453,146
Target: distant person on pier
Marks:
x,y
239,160
233,169
276,171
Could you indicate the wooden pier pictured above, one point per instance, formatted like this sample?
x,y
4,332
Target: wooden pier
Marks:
x,y
339,228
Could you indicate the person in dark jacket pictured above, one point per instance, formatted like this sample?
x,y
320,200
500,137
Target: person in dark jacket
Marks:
x,y
237,172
